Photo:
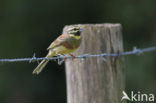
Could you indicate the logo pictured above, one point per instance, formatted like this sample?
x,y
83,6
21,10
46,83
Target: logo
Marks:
x,y
138,96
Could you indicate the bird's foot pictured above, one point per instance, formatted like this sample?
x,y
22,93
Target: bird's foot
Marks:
x,y
73,56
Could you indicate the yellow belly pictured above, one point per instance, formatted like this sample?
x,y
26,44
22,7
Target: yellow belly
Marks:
x,y
62,50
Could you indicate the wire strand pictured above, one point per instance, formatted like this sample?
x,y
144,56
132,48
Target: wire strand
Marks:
x,y
135,51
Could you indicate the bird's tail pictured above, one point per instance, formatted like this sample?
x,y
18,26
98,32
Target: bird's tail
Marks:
x,y
42,64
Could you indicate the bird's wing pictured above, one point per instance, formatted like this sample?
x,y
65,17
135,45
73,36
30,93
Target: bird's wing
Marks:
x,y
59,41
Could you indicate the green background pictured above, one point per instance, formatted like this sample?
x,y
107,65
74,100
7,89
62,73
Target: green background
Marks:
x,y
29,26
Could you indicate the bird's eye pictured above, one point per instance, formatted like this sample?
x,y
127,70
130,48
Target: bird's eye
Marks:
x,y
75,29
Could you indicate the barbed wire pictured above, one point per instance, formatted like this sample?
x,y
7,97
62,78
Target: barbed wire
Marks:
x,y
61,58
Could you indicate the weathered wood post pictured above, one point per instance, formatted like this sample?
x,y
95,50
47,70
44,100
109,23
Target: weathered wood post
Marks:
x,y
94,80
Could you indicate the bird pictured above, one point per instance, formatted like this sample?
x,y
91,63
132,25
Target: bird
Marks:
x,y
66,43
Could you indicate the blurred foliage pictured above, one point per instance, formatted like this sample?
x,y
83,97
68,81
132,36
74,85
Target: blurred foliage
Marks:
x,y
28,26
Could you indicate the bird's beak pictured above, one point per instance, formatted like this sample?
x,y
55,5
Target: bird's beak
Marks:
x,y
80,29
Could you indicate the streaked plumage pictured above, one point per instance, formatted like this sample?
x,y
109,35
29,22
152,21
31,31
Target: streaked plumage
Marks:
x,y
64,44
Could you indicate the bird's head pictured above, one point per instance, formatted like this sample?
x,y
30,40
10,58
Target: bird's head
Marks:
x,y
75,31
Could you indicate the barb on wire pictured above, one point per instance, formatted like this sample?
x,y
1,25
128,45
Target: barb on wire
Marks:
x,y
60,59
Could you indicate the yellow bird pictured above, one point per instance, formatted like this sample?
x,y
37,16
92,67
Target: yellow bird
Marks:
x,y
64,44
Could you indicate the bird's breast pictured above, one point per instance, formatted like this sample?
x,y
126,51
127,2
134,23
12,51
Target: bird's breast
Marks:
x,y
63,50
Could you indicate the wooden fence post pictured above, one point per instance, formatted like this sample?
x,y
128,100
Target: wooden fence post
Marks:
x,y
94,80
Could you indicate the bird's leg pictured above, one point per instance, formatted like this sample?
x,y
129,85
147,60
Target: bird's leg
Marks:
x,y
73,56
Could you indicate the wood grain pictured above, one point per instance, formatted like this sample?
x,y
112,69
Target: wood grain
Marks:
x,y
94,80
